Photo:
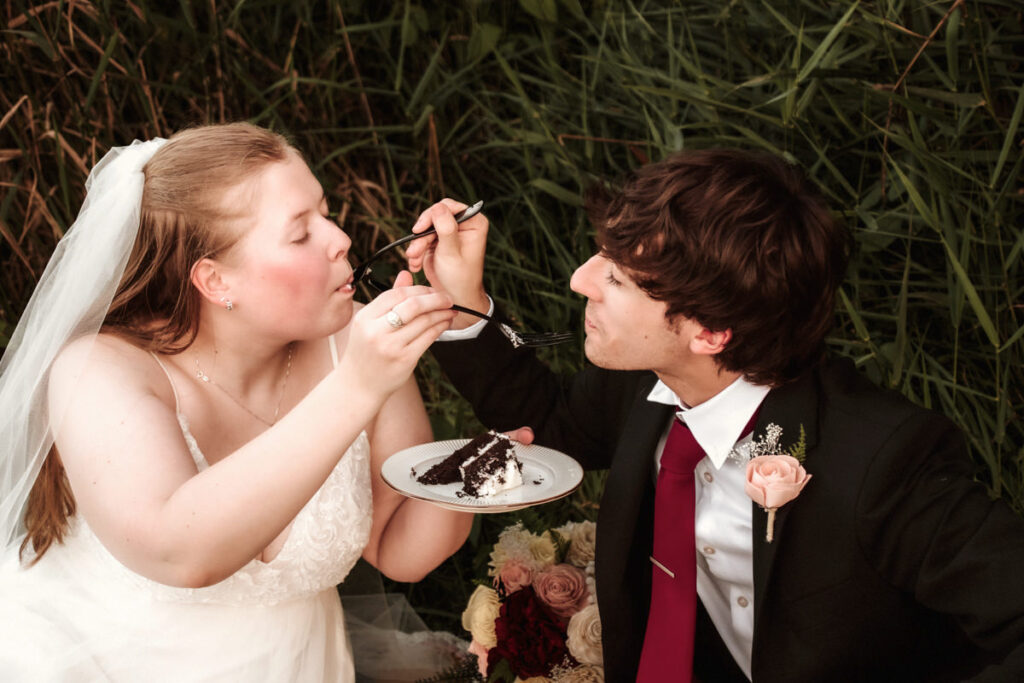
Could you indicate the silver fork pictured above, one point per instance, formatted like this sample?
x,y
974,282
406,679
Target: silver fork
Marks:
x,y
532,339
517,338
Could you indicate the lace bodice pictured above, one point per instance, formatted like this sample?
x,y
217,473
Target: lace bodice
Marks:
x,y
325,541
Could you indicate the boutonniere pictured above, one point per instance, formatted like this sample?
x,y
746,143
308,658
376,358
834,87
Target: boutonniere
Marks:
x,y
775,477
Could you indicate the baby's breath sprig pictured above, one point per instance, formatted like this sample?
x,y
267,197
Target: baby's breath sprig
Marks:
x,y
768,444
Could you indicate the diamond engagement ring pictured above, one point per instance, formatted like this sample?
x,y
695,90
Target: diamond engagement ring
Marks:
x,y
394,319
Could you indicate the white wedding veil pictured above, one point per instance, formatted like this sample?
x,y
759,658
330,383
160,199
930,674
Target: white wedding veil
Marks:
x,y
70,300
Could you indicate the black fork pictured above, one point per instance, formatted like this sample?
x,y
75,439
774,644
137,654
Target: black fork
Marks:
x,y
517,338
363,269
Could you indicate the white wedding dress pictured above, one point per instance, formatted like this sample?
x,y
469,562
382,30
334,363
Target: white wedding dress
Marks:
x,y
80,615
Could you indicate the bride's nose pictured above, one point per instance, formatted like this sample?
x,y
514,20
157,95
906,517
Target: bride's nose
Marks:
x,y
339,244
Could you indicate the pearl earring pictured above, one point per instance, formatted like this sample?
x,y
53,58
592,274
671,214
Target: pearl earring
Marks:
x,y
227,303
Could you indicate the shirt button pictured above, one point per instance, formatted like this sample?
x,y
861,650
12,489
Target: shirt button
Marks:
x,y
742,601
708,478
708,550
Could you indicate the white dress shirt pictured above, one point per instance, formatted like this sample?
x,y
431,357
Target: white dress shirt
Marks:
x,y
722,525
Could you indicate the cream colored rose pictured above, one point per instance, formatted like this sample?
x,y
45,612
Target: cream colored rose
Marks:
x,y
584,636
542,548
591,571
480,614
774,480
582,674
582,543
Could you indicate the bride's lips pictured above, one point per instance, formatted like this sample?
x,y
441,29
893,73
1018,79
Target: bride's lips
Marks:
x,y
346,287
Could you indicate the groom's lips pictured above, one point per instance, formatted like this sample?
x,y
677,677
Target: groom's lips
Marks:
x,y
346,287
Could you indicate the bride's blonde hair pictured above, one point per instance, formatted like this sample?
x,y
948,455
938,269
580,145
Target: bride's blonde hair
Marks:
x,y
183,219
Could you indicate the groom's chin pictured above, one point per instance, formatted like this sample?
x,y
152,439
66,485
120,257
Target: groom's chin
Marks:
x,y
599,355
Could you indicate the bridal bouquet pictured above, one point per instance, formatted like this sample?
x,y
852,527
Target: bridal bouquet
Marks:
x,y
538,618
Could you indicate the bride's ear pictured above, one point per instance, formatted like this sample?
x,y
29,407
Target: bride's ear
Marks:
x,y
206,277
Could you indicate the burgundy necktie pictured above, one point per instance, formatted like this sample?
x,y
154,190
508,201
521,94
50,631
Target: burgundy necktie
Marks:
x,y
668,644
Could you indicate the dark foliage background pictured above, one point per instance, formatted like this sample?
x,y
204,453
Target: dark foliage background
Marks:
x,y
906,113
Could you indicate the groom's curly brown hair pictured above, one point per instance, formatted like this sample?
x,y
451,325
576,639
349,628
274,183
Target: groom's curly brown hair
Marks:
x,y
734,240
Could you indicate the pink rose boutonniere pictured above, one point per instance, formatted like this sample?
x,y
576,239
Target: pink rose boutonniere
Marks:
x,y
774,478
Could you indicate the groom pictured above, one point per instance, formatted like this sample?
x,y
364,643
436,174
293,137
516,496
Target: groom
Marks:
x,y
707,307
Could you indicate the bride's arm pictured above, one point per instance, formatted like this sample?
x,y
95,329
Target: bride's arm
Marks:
x,y
136,485
408,538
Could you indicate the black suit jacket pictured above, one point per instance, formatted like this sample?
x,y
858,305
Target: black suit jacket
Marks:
x,y
892,564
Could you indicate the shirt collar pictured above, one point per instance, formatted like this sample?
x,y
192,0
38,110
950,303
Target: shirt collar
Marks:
x,y
717,423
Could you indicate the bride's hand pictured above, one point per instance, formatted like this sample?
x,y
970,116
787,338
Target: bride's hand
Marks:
x,y
388,335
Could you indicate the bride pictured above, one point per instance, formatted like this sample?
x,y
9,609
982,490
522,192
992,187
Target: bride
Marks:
x,y
193,416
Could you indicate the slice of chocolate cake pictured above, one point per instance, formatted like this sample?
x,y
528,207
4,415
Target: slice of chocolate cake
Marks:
x,y
493,468
486,465
446,471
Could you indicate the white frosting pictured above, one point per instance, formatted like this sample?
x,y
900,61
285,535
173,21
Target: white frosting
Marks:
x,y
499,481
494,484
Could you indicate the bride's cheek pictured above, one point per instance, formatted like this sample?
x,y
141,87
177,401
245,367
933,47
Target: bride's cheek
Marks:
x,y
294,281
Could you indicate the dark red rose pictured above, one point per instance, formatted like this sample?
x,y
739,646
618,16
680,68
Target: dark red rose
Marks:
x,y
530,639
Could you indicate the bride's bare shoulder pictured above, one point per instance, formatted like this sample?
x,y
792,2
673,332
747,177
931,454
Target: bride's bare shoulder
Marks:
x,y
105,358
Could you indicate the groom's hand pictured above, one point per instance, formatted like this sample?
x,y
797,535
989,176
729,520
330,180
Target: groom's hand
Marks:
x,y
453,261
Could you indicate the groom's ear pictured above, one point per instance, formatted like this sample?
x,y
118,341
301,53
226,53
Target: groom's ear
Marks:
x,y
709,343
206,277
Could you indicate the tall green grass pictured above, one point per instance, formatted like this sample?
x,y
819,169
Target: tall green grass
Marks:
x,y
907,114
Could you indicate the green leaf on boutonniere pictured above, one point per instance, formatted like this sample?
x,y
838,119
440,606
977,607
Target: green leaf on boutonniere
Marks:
x,y
799,449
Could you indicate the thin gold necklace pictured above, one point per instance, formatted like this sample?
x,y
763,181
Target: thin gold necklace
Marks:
x,y
203,377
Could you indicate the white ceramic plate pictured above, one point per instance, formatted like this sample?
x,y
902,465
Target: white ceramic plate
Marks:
x,y
547,475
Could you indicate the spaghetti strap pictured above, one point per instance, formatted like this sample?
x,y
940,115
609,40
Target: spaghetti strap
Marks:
x,y
334,349
186,431
177,406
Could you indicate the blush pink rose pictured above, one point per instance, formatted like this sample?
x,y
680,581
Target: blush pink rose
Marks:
x,y
563,588
480,651
774,480
515,575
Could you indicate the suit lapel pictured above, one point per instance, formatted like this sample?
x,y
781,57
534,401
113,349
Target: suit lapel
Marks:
x,y
790,407
629,480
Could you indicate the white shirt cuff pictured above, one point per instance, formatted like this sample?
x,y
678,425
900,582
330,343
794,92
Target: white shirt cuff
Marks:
x,y
471,332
